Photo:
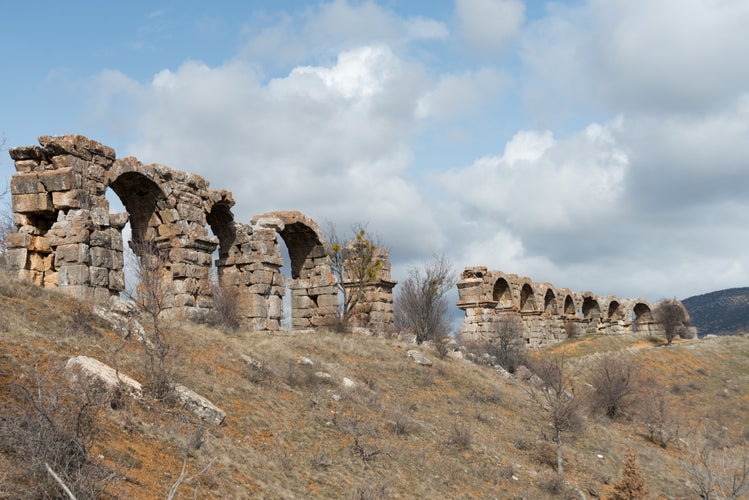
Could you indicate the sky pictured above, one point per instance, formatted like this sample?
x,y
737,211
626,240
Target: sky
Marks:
x,y
597,145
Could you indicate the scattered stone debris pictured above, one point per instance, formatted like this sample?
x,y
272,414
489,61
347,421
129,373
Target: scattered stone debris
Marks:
x,y
419,358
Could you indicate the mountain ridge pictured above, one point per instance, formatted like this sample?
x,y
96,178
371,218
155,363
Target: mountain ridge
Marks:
x,y
722,312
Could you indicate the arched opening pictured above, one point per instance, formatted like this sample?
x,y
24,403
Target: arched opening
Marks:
x,y
569,306
642,313
591,309
221,222
550,302
501,293
615,311
527,299
142,199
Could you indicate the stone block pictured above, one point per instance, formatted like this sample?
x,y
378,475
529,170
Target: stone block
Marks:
x,y
71,231
40,244
50,279
26,184
118,220
199,405
101,257
184,300
32,203
116,280
26,166
102,295
108,379
101,238
68,162
15,258
75,198
18,240
99,276
62,179
73,275
327,300
40,262
77,253
83,292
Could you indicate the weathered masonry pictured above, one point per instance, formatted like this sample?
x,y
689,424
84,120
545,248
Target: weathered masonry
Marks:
x,y
66,238
547,312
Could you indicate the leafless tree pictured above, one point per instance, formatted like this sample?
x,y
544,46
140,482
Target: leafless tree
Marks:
x,y
616,385
355,263
508,345
151,295
657,413
672,316
716,469
421,302
555,397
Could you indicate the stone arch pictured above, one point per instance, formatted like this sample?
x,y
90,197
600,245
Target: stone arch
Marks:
x,y
221,221
314,295
641,313
615,311
527,298
591,308
142,199
502,294
550,302
569,306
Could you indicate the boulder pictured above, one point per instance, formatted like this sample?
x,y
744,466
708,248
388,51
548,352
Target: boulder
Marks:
x,y
199,405
419,358
103,376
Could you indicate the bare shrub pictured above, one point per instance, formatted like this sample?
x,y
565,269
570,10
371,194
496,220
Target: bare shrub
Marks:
x,y
54,424
363,435
715,467
657,413
632,484
571,329
672,316
508,345
377,491
421,304
460,436
226,311
400,421
556,400
151,295
615,384
6,218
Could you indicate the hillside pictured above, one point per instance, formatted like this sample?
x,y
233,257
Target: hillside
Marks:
x,y
725,312
362,421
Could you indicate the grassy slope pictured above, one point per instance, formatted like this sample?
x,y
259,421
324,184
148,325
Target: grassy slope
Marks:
x,y
289,435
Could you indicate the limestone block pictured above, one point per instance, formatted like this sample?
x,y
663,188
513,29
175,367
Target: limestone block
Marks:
x,y
419,358
75,198
183,300
77,253
116,280
105,376
62,179
102,295
15,258
118,220
275,307
18,240
83,292
72,275
40,262
50,279
302,302
66,232
101,257
99,276
101,238
30,203
40,244
68,161
26,166
26,184
169,215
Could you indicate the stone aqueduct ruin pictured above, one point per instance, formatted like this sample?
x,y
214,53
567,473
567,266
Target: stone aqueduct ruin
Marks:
x,y
66,238
546,312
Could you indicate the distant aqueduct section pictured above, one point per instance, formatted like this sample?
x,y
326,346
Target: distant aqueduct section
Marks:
x,y
547,312
66,238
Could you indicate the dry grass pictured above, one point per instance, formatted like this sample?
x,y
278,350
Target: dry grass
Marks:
x,y
292,432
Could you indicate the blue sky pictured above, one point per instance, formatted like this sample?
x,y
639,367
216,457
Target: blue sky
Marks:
x,y
598,145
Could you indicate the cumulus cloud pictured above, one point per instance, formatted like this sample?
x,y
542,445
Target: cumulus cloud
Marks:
x,y
463,93
332,141
488,26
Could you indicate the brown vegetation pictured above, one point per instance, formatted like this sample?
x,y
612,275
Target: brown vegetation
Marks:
x,y
455,429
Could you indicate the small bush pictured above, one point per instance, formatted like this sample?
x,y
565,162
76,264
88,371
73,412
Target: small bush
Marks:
x,y
54,424
460,437
615,386
226,310
632,484
571,329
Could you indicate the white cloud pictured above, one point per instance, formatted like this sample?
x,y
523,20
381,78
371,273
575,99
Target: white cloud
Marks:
x,y
464,93
488,26
543,183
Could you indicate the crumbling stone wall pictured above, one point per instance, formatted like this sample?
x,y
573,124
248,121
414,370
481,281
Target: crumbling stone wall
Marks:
x,y
547,312
65,237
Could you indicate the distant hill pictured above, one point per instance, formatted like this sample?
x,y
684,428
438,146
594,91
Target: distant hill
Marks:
x,y
725,312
